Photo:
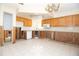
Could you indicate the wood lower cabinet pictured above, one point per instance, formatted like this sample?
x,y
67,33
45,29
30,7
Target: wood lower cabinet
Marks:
x,y
20,34
52,35
64,36
14,35
23,34
1,36
48,34
33,33
68,37
76,38
42,34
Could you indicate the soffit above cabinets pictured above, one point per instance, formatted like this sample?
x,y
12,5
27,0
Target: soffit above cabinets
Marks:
x,y
32,15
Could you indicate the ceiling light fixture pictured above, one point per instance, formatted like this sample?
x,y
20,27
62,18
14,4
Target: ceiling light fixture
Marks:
x,y
52,7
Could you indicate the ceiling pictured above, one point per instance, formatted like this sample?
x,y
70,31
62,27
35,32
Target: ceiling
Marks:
x,y
37,9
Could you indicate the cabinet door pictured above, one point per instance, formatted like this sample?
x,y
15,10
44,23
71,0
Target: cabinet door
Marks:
x,y
42,34
64,37
57,22
52,22
76,20
14,34
68,21
33,33
29,23
46,21
52,35
61,22
76,38
48,34
23,34
1,36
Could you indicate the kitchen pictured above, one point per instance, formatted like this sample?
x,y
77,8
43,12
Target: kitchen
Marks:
x,y
27,26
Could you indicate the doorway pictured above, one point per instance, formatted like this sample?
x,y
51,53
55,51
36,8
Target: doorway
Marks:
x,y
7,25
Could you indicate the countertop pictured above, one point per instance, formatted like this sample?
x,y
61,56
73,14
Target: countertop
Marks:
x,y
59,29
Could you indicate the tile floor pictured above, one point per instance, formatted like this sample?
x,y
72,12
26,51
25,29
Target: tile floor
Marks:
x,y
39,47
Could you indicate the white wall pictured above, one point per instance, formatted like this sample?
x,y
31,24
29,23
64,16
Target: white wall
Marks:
x,y
9,8
67,9
36,21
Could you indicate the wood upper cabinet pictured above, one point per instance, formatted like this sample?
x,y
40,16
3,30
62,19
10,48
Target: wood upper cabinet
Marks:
x,y
26,22
20,19
29,23
62,21
68,21
76,20
52,22
65,21
46,21
56,22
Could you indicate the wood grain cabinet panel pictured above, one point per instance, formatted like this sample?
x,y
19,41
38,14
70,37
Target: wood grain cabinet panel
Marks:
x,y
64,37
33,33
52,22
1,36
48,34
29,23
26,21
76,38
68,21
56,22
52,35
23,34
20,19
76,20
42,34
46,21
62,21
14,34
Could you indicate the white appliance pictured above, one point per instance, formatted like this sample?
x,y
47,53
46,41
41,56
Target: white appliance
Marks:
x,y
29,35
